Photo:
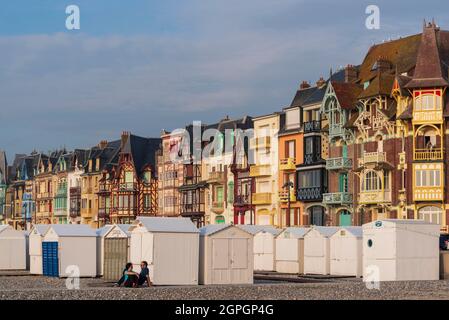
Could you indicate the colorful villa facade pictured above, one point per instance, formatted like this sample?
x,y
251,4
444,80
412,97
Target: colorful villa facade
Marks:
x,y
367,143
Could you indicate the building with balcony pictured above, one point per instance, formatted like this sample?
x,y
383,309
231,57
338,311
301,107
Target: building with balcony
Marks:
x,y
3,184
264,168
170,174
290,155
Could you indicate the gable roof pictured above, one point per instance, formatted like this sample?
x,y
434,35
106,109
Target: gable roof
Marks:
x,y
41,228
143,151
255,229
161,224
326,231
213,228
298,232
354,230
72,230
347,93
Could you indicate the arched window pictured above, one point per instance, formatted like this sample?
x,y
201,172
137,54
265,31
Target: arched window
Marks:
x,y
430,214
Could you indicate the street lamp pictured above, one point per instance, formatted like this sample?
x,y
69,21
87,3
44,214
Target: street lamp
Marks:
x,y
287,186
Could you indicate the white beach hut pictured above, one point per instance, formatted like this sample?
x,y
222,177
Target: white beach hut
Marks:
x,y
400,250
35,247
170,246
226,255
346,252
112,250
263,245
69,250
317,250
12,249
290,250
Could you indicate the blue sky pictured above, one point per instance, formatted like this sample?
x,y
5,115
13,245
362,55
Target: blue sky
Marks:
x,y
143,66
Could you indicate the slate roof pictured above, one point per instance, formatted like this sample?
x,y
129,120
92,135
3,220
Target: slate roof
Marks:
x,y
160,224
433,59
143,151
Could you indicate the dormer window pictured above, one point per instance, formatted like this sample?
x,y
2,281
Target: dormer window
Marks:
x,y
147,176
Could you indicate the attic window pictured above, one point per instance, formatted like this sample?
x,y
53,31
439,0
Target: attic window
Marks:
x,y
366,85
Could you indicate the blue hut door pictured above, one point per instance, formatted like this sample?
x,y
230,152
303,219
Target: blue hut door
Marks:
x,y
50,263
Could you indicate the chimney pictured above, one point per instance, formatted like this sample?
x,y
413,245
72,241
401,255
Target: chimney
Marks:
x,y
125,137
351,73
304,85
103,144
321,82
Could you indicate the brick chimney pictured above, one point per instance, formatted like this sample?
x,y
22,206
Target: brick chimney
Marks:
x,y
304,85
103,144
351,73
321,82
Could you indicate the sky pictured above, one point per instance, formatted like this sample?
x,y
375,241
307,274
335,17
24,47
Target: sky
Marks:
x,y
146,65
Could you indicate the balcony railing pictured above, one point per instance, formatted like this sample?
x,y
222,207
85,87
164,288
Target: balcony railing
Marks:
x,y
44,195
287,164
373,197
428,193
341,163
216,177
75,191
336,130
103,212
128,186
242,200
337,198
310,194
428,154
261,198
428,116
312,158
260,143
372,158
61,212
75,212
260,171
284,195
312,126
218,206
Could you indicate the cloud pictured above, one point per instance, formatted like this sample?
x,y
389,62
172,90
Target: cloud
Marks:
x,y
218,58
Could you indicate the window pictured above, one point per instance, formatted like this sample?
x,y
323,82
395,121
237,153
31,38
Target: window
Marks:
x,y
428,102
428,178
371,182
292,119
290,149
430,214
147,176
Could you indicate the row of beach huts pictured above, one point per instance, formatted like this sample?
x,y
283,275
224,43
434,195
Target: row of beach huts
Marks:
x,y
178,253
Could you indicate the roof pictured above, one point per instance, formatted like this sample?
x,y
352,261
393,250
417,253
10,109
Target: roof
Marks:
x,y
101,232
347,93
254,229
41,228
162,224
3,167
407,114
433,58
72,230
213,228
401,53
354,230
326,231
143,151
3,228
124,228
382,84
298,232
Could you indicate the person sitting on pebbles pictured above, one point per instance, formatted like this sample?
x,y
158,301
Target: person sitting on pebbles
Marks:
x,y
132,279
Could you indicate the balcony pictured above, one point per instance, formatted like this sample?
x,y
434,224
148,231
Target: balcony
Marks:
x,y
75,212
428,154
337,198
75,191
261,198
341,163
428,193
260,143
287,164
242,200
374,197
310,194
260,170
336,130
283,196
218,207
62,191
372,158
312,126
428,116
216,177
44,195
131,186
312,158
61,212
103,212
